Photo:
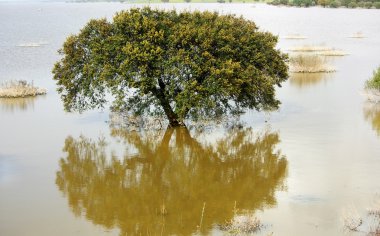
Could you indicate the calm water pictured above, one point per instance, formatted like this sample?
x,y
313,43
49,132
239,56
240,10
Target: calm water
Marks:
x,y
297,169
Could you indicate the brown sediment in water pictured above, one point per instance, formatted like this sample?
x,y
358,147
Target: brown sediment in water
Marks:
x,y
18,89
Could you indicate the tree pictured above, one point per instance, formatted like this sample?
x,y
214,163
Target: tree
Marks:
x,y
183,65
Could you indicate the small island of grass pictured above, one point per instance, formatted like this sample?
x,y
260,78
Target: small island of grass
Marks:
x,y
372,86
19,88
309,63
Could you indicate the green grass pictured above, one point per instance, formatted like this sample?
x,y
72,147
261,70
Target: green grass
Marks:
x,y
374,82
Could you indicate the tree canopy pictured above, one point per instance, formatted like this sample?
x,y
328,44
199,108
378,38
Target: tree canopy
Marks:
x,y
184,65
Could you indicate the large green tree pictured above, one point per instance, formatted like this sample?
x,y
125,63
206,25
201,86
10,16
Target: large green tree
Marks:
x,y
183,65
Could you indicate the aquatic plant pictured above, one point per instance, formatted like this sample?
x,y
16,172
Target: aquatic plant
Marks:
x,y
374,82
19,88
305,63
368,224
242,224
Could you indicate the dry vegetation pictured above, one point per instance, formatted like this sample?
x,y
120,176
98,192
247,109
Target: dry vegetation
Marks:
x,y
295,36
309,64
357,35
21,88
310,48
242,224
368,224
333,53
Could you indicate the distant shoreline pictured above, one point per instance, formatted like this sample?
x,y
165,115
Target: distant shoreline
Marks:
x,y
362,4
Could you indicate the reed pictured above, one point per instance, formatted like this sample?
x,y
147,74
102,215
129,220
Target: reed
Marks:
x,y
19,88
357,35
332,53
295,36
309,64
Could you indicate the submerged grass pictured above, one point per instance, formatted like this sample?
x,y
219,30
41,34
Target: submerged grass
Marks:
x,y
309,64
242,224
19,88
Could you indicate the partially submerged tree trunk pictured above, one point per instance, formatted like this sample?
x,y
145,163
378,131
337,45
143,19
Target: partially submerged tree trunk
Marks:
x,y
174,120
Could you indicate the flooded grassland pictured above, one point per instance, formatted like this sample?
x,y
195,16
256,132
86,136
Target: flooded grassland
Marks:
x,y
302,170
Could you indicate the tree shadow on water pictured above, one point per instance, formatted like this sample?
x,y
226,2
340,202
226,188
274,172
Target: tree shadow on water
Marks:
x,y
164,182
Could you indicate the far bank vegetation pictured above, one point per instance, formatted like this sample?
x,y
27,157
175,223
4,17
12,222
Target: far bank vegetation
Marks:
x,y
19,88
374,4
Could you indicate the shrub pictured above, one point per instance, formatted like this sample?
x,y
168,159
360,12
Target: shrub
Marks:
x,y
368,5
374,82
361,4
352,5
376,5
335,4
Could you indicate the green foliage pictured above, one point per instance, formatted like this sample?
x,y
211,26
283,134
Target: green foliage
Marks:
x,y
368,5
374,82
329,3
335,4
352,5
303,3
184,65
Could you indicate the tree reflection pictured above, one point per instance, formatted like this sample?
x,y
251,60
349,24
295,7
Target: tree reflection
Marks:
x,y
303,80
14,104
372,114
160,185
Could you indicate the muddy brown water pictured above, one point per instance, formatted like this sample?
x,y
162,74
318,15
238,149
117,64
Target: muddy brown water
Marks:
x,y
297,169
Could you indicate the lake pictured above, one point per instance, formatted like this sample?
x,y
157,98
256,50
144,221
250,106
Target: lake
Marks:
x,y
300,170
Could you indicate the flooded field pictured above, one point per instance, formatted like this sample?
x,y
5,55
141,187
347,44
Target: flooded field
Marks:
x,y
301,170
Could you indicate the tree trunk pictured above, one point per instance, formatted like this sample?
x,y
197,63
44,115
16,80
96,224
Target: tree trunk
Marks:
x,y
174,121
